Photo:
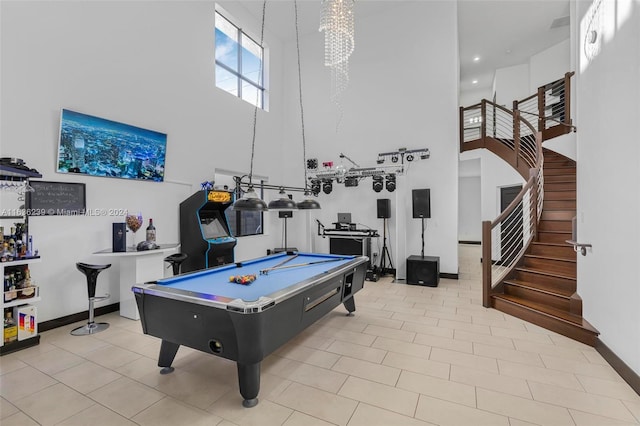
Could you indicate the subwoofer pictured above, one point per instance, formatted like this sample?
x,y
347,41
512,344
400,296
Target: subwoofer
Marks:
x,y
423,270
384,208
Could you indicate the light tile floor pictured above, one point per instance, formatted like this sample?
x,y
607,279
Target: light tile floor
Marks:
x,y
411,355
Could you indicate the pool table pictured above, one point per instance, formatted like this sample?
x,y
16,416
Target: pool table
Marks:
x,y
246,322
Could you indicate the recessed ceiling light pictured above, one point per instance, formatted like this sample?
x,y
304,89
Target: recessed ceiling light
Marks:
x,y
474,82
476,58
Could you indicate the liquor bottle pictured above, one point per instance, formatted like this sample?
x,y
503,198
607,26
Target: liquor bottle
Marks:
x,y
7,288
151,232
1,234
12,241
10,328
13,293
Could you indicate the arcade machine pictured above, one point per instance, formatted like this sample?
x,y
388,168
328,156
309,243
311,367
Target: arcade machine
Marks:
x,y
204,231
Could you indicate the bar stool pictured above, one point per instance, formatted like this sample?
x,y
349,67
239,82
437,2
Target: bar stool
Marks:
x,y
175,260
91,271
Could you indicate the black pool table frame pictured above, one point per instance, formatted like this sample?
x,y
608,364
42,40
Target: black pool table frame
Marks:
x,y
245,332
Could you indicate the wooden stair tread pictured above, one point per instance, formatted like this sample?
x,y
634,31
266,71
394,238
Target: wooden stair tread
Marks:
x,y
549,311
542,243
560,259
544,272
552,231
541,288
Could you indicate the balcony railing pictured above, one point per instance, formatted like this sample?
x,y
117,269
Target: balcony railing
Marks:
x,y
550,107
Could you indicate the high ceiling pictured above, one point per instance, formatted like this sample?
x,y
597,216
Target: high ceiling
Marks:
x,y
501,33
506,33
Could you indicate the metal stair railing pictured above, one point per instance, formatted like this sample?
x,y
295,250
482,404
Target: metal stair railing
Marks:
x,y
510,135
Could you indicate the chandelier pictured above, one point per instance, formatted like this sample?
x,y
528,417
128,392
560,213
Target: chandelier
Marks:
x,y
336,20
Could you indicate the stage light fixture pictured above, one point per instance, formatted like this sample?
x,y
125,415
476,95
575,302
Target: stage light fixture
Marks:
x,y
312,164
378,183
351,181
425,155
394,158
391,182
327,186
409,157
315,186
380,160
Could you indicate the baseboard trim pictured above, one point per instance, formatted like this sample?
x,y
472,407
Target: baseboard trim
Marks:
x,y
478,243
80,316
629,376
448,276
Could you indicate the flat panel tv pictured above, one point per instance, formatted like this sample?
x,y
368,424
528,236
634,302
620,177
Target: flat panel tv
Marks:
x,y
98,147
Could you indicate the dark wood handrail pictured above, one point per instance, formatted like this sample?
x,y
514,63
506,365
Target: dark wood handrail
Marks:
x,y
512,205
508,147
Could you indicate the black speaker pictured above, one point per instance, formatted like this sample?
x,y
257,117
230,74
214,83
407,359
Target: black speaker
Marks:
x,y
421,203
119,241
423,270
384,208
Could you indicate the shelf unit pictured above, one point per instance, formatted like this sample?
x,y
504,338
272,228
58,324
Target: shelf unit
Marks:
x,y
17,174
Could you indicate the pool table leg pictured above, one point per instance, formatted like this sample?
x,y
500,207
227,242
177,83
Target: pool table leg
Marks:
x,y
249,381
168,352
350,305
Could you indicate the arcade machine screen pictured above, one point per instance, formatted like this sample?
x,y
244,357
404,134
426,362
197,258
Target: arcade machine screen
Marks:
x,y
212,226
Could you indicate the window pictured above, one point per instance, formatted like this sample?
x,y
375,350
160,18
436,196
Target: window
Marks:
x,y
241,223
239,63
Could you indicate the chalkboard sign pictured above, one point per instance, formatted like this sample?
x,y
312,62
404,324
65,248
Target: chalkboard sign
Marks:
x,y
56,199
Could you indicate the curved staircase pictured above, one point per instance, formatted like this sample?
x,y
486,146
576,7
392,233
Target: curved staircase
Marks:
x,y
542,288
529,269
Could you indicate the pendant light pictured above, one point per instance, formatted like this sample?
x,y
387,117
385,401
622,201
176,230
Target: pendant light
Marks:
x,y
282,203
250,201
308,203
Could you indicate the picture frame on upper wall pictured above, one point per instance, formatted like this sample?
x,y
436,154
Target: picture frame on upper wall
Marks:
x,y
94,146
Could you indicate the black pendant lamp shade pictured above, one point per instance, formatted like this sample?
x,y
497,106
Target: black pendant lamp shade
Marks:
x,y
308,203
282,203
250,202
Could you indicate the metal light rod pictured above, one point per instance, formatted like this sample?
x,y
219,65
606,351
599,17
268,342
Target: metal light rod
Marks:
x,y
242,184
403,151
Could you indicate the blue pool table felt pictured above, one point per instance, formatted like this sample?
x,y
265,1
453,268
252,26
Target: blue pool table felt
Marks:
x,y
215,281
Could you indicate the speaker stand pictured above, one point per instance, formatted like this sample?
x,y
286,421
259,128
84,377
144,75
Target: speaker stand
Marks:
x,y
422,252
385,253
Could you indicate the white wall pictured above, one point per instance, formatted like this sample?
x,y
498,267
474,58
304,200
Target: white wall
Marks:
x,y
549,65
469,213
494,174
149,64
510,84
399,95
472,97
608,90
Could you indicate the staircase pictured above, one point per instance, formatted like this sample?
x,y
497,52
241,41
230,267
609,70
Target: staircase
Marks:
x,y
529,269
542,288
